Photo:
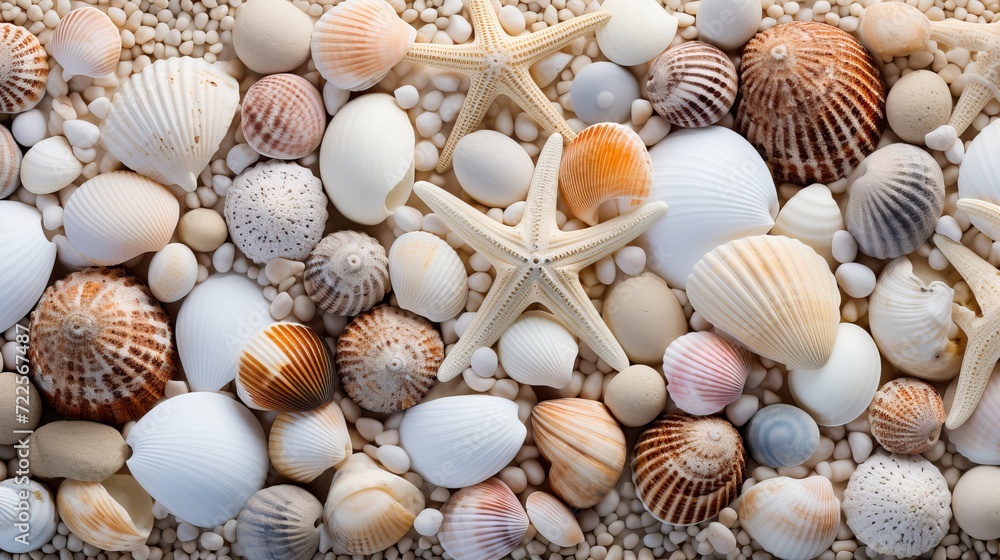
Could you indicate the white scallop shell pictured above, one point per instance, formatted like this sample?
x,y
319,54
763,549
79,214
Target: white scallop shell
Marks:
x,y
10,163
538,350
460,441
553,520
42,519
979,174
49,165
978,438
302,445
114,514
637,32
200,455
482,522
811,216
792,519
168,120
30,257
86,43
427,276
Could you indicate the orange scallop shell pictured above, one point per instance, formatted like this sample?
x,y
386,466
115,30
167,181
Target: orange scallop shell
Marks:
x,y
285,367
283,117
906,416
26,69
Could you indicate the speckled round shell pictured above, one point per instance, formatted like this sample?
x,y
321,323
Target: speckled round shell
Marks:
x,y
792,519
692,85
347,273
687,468
283,116
906,415
101,347
781,435
285,367
25,69
812,101
388,359
482,522
705,372
10,163
86,43
279,522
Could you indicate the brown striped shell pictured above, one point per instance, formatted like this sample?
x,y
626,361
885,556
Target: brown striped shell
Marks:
x,y
10,163
101,346
692,85
812,101
347,273
24,69
86,43
687,468
283,116
906,416
483,521
388,359
285,367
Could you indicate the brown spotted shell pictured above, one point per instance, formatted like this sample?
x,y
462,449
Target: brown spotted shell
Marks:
x,y
692,85
388,359
283,116
347,273
24,69
812,101
285,367
101,346
687,468
906,416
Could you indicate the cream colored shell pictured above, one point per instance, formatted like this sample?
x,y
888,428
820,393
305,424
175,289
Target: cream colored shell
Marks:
x,y
302,445
115,514
792,519
86,43
26,69
428,277
812,216
553,520
49,166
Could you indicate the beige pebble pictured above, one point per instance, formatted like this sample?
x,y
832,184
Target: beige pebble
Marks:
x,y
918,103
202,229
271,36
80,450
9,384
645,316
637,395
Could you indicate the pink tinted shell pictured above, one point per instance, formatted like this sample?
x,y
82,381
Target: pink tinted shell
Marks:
x,y
705,372
283,117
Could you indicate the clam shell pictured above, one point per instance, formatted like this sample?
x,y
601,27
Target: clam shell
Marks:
x,y
812,216
22,241
705,372
482,522
906,416
388,359
283,117
791,519
303,445
117,216
692,85
978,439
115,514
781,435
10,163
979,174
200,455
49,165
167,121
812,101
537,350
86,43
687,468
772,294
347,273
285,367
26,69
41,513
101,347
279,522
553,520
585,446
428,277
893,29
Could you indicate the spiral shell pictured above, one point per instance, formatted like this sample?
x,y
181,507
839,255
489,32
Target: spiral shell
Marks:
x,y
302,445
283,117
482,522
285,367
705,372
781,435
347,273
791,519
279,522
115,514
906,416
692,85
86,43
26,69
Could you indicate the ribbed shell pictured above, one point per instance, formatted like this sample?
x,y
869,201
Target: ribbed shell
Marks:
x,y
86,43
285,367
812,101
482,522
347,273
25,69
101,347
538,350
692,85
302,445
428,277
781,435
279,522
553,520
22,241
792,519
10,163
978,438
49,166
705,372
687,468
115,514
283,116
812,216
906,416
41,512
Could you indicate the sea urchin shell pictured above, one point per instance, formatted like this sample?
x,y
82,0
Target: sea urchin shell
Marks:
x,y
347,273
906,415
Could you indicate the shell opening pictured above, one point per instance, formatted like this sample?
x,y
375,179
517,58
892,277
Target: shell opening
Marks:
x,y
354,261
395,364
79,328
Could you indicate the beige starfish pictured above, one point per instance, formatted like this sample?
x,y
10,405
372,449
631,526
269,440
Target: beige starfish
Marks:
x,y
535,262
498,65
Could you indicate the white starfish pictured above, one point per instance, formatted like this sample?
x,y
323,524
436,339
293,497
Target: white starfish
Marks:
x,y
535,262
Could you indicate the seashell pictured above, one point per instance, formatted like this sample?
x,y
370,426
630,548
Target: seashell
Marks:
x,y
355,44
167,121
428,277
86,43
893,29
978,439
26,69
781,435
279,522
727,24
553,520
585,446
493,168
303,445
687,468
173,272
906,416
22,241
200,455
369,509
973,502
538,350
276,209
603,92
366,160
898,504
705,372
283,116
979,174
482,522
896,197
692,85
115,515
347,273
388,359
706,210
812,216
636,32
10,163
101,347
49,166
463,440
791,519
40,512
285,367
733,285
117,216
812,101
605,162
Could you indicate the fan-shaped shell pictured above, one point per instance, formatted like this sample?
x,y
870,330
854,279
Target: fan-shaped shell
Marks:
x,y
41,513
792,519
10,163
812,101
167,121
347,273
537,349
705,372
86,43
906,416
692,85
22,241
585,445
26,69
279,522
979,174
812,216
978,438
893,29
428,277
302,445
553,520
285,367
115,514
49,166
687,468
101,347
283,116
482,522
781,435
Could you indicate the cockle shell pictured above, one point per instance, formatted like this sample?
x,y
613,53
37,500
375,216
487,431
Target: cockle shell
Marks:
x,y
86,43
302,445
705,372
812,101
26,69
120,215
978,438
906,416
22,241
605,162
167,121
10,163
115,514
585,445
388,359
692,85
812,216
201,455
283,117
49,166
553,520
687,468
979,174
279,522
781,435
428,277
893,29
537,349
791,519
101,346
482,522
42,520
734,284
285,367
347,273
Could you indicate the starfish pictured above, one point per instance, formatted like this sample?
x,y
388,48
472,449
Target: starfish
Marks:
x,y
498,64
535,262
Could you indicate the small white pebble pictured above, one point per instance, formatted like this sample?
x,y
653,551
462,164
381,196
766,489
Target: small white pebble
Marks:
x,y
408,218
186,532
211,541
948,227
845,248
631,260
281,307
856,279
407,96
428,522
241,157
29,128
742,409
394,458
861,446
369,428
81,134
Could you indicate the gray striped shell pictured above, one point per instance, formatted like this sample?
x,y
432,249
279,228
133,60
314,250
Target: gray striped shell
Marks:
x,y
347,273
692,85
279,522
896,198
812,101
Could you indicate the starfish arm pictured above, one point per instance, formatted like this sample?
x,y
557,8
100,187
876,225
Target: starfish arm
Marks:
x,y
578,249
485,21
538,222
979,90
484,234
522,89
975,37
529,49
466,58
981,355
979,274
963,317
482,91
986,211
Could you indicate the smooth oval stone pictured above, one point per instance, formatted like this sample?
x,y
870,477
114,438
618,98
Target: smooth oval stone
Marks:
x,y
79,450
